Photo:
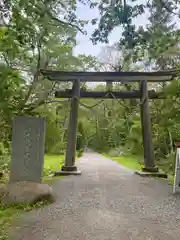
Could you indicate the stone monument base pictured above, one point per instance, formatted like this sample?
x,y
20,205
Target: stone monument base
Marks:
x,y
68,170
25,193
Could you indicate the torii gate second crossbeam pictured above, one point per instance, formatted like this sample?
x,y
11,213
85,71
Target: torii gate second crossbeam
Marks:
x,y
143,94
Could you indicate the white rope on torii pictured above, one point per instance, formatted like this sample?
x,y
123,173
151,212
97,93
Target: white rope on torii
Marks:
x,y
95,105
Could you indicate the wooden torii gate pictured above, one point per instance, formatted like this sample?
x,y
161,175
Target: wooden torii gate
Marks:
x,y
143,94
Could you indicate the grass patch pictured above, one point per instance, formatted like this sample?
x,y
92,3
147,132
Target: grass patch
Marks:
x,y
129,162
52,163
8,215
132,163
171,179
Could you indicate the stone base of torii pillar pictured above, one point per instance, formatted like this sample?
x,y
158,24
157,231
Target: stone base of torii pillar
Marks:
x,y
65,171
151,174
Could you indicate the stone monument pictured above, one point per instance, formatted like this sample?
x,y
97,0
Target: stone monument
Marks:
x,y
176,187
28,141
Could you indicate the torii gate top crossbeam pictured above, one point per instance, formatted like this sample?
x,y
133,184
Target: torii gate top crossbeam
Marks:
x,y
159,76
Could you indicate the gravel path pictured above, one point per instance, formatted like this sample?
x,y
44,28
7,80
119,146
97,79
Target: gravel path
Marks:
x,y
108,202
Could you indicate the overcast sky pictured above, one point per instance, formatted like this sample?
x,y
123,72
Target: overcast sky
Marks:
x,y
84,43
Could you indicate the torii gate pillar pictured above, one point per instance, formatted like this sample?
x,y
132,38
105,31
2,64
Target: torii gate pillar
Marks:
x,y
149,168
69,167
149,158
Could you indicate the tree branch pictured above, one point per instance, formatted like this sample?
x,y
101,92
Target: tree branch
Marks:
x,y
6,60
36,75
31,107
167,8
65,23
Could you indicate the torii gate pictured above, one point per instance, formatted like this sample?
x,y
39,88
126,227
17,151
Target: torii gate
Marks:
x,y
143,94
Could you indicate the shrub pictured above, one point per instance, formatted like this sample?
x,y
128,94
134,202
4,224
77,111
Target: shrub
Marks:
x,y
58,148
168,162
80,153
4,162
4,168
47,171
116,152
2,149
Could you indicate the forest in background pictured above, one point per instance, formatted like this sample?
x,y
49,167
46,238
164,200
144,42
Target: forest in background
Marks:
x,y
42,34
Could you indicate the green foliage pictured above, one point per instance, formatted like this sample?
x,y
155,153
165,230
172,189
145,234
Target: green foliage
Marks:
x,y
157,39
42,34
131,162
167,163
10,91
113,15
135,138
4,163
115,152
81,140
8,215
52,164
53,135
80,153
2,149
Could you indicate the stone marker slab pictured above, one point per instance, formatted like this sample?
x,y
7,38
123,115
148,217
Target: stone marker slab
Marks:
x,y
176,187
28,140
